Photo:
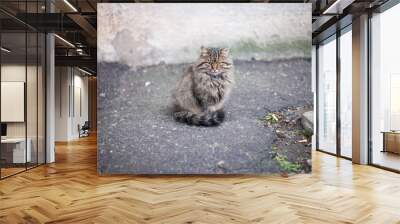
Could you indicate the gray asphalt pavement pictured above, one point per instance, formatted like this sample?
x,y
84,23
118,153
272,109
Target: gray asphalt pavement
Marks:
x,y
137,134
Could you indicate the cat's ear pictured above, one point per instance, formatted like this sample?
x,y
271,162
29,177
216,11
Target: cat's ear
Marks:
x,y
225,51
203,51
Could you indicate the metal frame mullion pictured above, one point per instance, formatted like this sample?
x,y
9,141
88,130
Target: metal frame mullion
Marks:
x,y
37,91
45,89
338,92
369,78
317,97
26,87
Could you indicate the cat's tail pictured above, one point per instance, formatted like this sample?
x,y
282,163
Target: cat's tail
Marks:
x,y
214,118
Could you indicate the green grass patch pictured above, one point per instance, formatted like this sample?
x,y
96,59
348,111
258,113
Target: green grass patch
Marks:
x,y
307,133
285,165
270,118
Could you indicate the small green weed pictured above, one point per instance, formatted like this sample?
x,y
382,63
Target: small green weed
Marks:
x,y
285,165
270,118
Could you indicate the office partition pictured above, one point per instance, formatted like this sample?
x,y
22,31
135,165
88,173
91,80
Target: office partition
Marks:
x,y
22,78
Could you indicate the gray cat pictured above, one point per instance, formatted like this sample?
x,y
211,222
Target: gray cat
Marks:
x,y
201,92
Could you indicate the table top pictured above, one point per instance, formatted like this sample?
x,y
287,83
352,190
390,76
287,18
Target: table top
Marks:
x,y
13,140
391,132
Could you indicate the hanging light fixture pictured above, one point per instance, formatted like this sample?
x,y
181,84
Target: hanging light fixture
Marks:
x,y
64,40
5,50
84,71
70,5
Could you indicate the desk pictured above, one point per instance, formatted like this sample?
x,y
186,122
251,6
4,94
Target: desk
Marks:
x,y
16,147
391,141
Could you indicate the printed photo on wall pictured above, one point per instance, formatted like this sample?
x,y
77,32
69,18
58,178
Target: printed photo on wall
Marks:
x,y
204,88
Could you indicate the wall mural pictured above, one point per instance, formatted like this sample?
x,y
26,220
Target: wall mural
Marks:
x,y
204,88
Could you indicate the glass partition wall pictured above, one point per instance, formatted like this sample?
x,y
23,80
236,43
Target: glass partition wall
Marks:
x,y
385,89
334,90
327,95
13,86
22,77
334,94
345,62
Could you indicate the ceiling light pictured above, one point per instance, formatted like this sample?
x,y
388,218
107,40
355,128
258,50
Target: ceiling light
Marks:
x,y
5,50
331,7
70,5
64,40
84,71
338,6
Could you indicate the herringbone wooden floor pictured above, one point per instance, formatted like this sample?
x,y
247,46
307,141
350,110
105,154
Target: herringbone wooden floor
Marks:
x,y
70,191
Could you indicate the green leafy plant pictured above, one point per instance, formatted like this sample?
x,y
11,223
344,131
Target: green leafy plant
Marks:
x,y
285,165
271,118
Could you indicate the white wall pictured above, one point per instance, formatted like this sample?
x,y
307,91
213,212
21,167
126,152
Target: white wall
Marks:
x,y
62,82
80,84
34,125
12,73
70,83
148,34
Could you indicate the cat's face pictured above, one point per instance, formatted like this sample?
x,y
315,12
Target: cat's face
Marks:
x,y
214,62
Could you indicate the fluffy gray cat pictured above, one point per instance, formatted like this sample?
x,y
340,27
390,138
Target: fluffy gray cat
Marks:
x,y
201,92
